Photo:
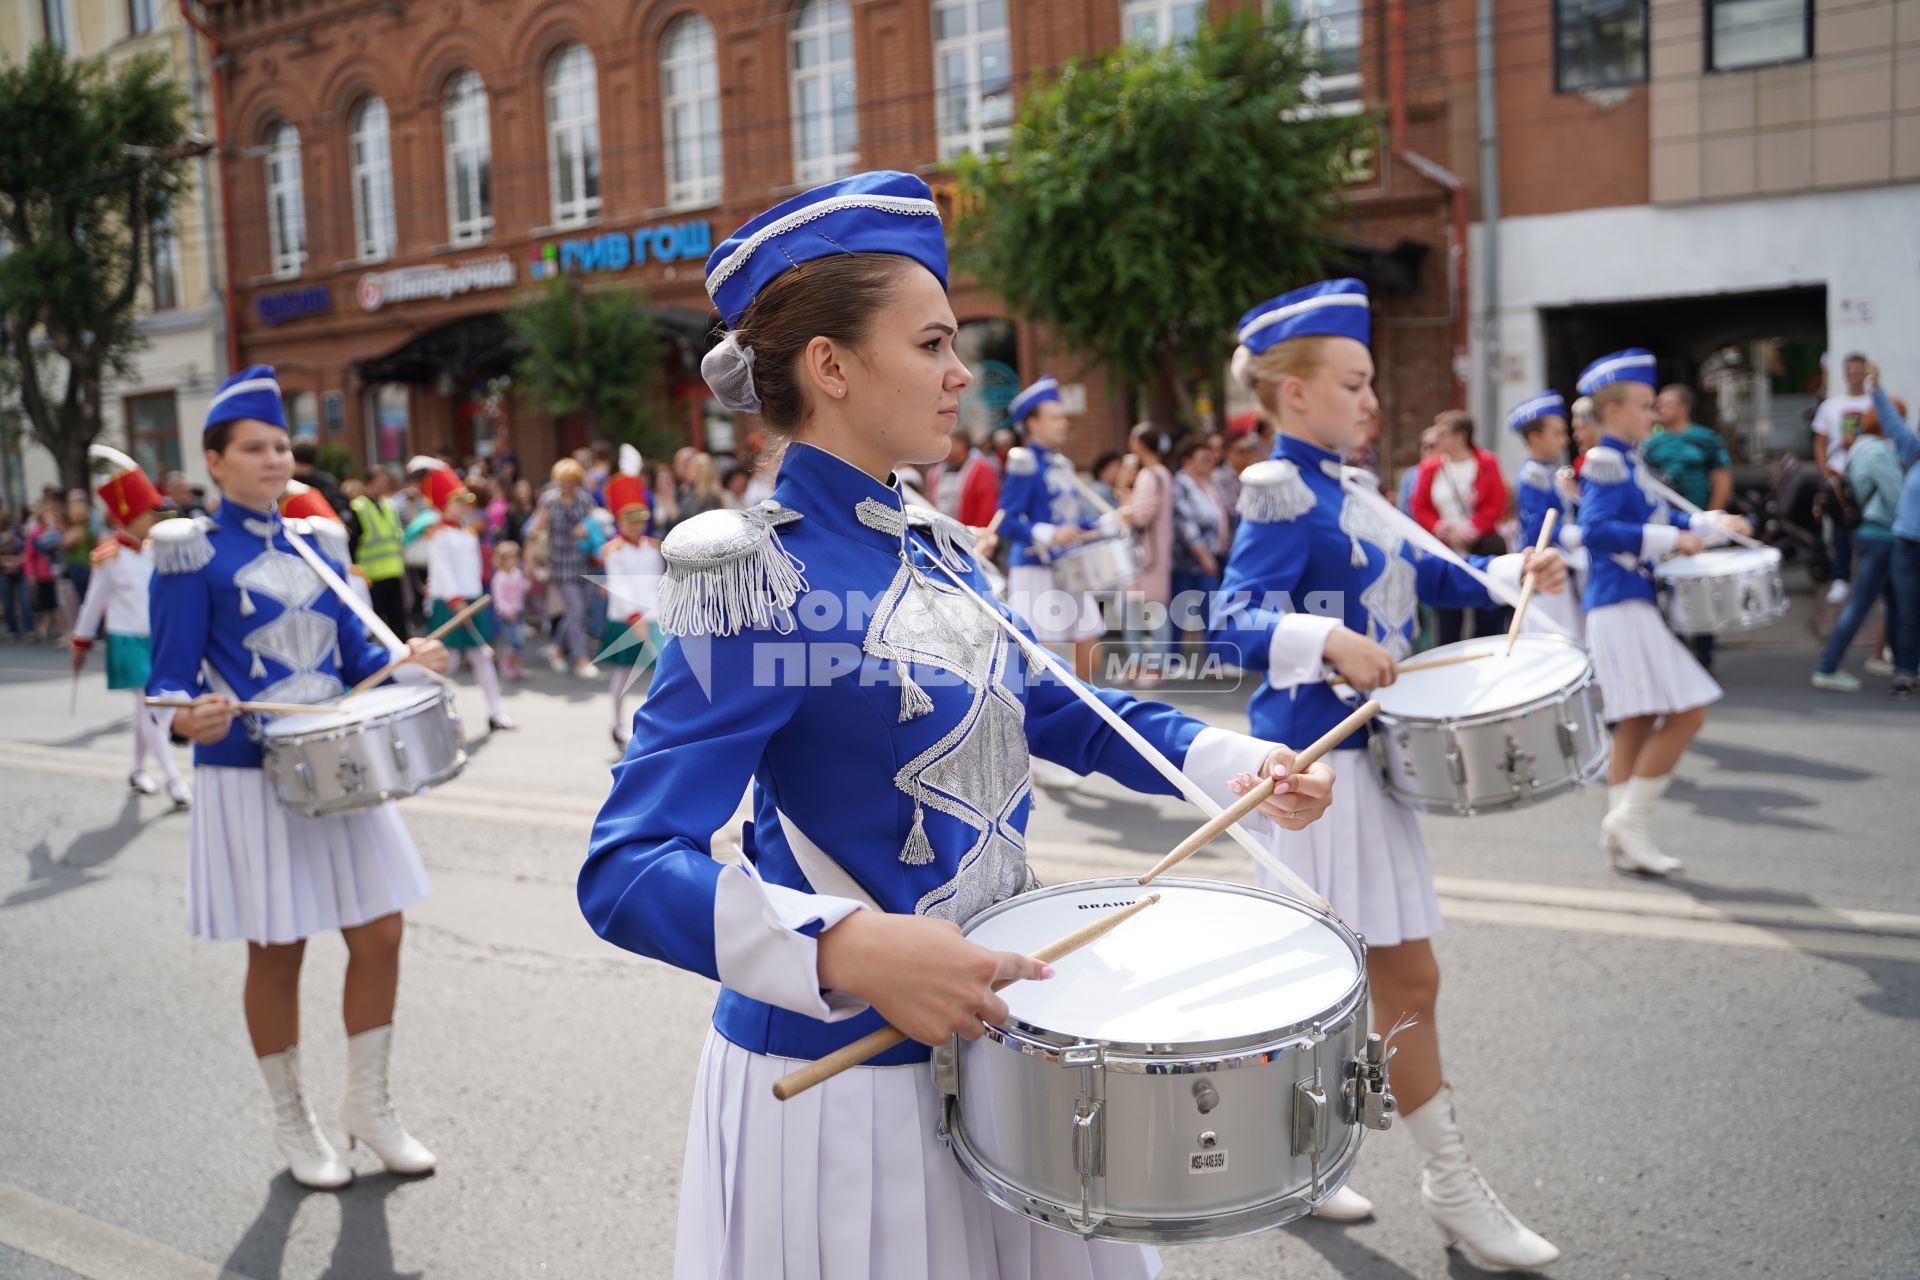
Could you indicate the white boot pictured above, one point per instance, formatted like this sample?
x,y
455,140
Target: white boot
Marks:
x,y
1344,1205
369,1114
1627,830
310,1158
1459,1200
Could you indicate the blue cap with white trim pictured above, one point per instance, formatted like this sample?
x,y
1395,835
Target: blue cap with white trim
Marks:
x,y
1035,394
252,393
1545,405
1635,364
877,212
1332,308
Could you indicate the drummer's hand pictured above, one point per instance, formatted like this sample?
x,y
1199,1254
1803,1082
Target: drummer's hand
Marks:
x,y
1736,526
1689,544
985,543
207,721
1366,665
430,654
1298,798
1065,535
920,973
1548,568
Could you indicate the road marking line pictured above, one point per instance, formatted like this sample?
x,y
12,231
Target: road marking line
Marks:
x,y
92,1248
1665,915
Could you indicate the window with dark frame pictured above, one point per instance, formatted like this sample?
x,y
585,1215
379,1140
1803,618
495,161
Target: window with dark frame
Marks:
x,y
1758,33
1599,44
153,431
163,265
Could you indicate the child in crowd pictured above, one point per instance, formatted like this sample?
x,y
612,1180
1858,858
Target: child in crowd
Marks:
x,y
509,590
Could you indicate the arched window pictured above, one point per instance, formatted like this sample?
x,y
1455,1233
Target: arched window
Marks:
x,y
690,108
573,136
826,135
286,202
972,75
1161,22
469,142
372,166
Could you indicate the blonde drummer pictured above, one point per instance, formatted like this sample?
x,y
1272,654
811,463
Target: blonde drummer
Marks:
x,y
237,613
1651,687
1320,581
884,722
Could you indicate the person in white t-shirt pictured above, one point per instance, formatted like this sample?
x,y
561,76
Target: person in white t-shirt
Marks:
x,y
1836,423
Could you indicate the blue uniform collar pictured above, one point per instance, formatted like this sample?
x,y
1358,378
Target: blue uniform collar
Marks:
x,y
832,491
1307,455
234,515
1615,442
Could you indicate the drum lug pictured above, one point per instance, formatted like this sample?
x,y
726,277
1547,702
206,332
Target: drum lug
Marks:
x,y
349,775
400,759
1518,764
946,1070
1089,1133
1456,762
1569,741
1310,1119
302,772
1369,1104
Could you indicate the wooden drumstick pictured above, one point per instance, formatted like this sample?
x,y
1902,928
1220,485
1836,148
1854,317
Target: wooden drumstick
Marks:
x,y
438,633
1526,588
886,1037
250,708
1453,660
1261,791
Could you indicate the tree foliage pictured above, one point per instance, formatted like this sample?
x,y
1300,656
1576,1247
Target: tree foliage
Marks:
x,y
90,161
595,353
1146,201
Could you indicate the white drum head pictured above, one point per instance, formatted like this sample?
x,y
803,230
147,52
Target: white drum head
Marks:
x,y
383,700
1539,666
1209,961
1719,562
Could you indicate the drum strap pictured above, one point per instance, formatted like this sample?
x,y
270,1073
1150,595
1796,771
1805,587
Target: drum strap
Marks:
x,y
817,865
1361,491
1036,653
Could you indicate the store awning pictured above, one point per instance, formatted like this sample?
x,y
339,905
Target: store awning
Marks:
x,y
467,350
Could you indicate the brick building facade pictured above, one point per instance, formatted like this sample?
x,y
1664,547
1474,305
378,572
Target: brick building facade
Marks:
x,y
387,323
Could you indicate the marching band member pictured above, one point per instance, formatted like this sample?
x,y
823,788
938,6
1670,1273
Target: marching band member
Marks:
x,y
1540,488
885,723
631,641
1651,687
238,614
1306,542
117,597
1045,514
454,581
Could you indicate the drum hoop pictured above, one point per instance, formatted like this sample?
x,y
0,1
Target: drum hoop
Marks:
x,y
1558,696
358,721
1150,1057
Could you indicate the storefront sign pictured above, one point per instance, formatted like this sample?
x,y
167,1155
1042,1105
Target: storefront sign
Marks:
x,y
291,304
618,250
441,280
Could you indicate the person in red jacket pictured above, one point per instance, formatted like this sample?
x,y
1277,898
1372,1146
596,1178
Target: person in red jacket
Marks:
x,y
967,485
1460,497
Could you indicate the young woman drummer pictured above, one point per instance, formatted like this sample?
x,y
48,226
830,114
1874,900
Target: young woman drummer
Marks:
x,y
1651,687
1304,541
237,613
884,723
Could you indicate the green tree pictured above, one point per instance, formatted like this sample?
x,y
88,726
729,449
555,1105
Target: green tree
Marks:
x,y
90,161
596,353
1147,200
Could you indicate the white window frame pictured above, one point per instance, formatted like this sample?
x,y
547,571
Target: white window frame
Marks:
x,y
56,19
581,131
137,10
370,156
974,135
1344,87
821,21
690,112
286,203
468,134
1162,12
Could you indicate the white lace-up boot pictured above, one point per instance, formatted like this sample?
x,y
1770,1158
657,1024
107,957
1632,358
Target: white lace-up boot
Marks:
x,y
1461,1203
369,1114
310,1157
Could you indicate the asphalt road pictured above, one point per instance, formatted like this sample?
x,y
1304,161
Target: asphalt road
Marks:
x,y
1707,1078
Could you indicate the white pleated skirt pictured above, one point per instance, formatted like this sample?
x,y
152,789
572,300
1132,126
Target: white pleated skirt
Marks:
x,y
1056,616
848,1182
1641,666
1365,856
258,871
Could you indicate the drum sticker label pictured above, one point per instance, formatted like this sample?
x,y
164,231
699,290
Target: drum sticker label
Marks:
x,y
1207,1162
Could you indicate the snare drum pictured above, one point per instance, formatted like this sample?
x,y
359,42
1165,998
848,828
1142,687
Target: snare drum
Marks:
x,y
381,745
1203,1071
1098,564
1723,589
1498,733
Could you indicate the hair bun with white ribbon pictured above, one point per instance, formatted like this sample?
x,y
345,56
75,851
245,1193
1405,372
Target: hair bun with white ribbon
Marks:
x,y
728,370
